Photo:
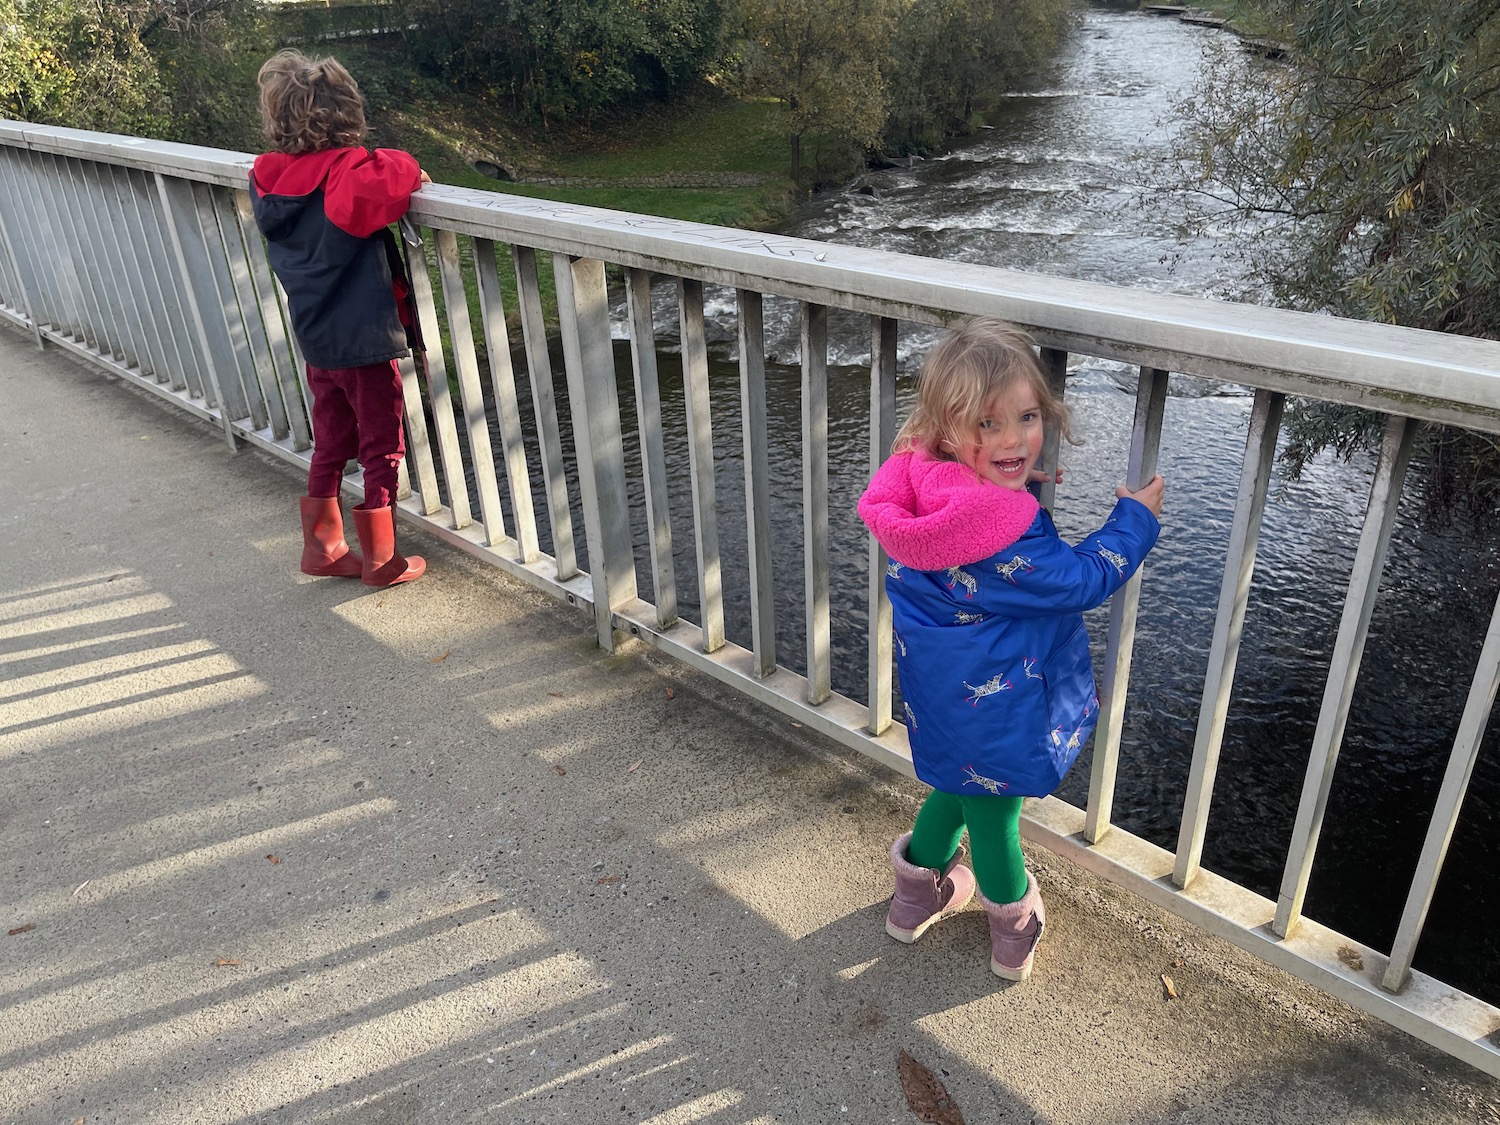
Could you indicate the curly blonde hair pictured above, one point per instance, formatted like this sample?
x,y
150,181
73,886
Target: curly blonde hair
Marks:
x,y
307,105
981,357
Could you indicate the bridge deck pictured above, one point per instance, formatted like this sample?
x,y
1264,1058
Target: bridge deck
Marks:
x,y
298,851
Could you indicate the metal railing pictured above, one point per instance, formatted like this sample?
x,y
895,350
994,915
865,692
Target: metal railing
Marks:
x,y
142,257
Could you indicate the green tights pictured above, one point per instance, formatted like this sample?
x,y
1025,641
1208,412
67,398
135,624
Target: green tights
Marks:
x,y
994,825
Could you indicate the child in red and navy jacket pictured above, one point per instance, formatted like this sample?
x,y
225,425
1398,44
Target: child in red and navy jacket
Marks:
x,y
324,203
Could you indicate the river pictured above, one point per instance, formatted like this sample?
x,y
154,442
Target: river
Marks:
x,y
1048,188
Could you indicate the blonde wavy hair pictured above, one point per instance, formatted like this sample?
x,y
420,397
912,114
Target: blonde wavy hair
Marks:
x,y
307,105
982,356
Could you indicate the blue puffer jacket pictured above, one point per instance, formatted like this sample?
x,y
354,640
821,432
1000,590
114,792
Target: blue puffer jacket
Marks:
x,y
987,600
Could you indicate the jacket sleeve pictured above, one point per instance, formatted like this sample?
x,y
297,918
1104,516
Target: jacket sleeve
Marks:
x,y
1040,575
373,192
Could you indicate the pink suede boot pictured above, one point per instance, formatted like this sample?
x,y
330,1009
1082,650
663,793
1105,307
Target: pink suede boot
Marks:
x,y
1015,929
924,895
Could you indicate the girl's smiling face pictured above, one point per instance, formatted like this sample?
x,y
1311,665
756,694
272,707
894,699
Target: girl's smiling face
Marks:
x,y
1008,441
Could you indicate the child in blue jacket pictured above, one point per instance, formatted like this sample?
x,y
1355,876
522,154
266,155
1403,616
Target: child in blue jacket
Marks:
x,y
324,204
986,601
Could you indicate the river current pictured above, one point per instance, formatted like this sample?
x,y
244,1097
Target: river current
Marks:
x,y
1049,188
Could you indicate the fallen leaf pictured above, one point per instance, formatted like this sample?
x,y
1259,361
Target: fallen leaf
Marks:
x,y
608,879
669,693
439,659
1351,958
77,1121
1168,987
926,1095
224,962
561,772
21,929
635,765
555,694
274,858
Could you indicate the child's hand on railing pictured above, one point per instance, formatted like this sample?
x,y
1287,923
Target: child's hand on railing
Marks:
x,y
1149,494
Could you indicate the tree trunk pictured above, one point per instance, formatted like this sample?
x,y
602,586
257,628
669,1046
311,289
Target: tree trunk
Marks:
x,y
796,158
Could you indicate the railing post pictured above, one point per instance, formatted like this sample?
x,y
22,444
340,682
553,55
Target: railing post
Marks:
x,y
1450,800
653,452
815,498
544,405
10,251
1055,367
588,355
882,435
1234,596
1145,441
507,408
1348,648
701,461
752,347
177,212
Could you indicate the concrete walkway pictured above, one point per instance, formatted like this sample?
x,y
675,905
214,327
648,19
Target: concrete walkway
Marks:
x,y
283,849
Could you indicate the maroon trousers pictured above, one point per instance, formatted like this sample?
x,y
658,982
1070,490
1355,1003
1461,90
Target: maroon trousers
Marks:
x,y
356,412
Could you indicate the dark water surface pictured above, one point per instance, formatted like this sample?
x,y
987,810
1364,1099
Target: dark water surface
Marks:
x,y
1048,189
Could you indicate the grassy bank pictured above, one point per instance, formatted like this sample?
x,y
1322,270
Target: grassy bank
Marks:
x,y
726,157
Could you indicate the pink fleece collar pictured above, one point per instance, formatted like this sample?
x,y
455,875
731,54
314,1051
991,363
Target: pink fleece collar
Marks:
x,y
932,514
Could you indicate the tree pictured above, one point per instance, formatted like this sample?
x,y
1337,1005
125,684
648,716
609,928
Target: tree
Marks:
x,y
822,60
949,57
556,59
150,67
1360,177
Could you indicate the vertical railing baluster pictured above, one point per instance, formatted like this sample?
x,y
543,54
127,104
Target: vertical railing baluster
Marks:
x,y
1145,441
507,407
1234,595
1055,367
1450,799
701,461
1348,649
882,434
174,316
263,293
439,397
226,326
32,232
107,278
115,194
653,454
588,356
14,246
756,438
180,221
36,195
100,286
49,189
544,405
815,498
266,406
64,209
470,389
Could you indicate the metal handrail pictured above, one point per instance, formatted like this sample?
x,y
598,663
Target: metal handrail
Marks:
x,y
141,256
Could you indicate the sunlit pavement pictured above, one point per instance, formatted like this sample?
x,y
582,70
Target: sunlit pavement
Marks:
x,y
285,849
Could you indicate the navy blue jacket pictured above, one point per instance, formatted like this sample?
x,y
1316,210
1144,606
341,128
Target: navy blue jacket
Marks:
x,y
323,215
996,677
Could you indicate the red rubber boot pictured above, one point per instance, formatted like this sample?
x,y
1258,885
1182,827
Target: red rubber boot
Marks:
x,y
324,552
377,539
